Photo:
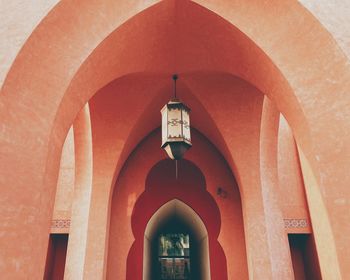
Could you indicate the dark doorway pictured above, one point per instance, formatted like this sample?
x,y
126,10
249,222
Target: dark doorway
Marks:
x,y
175,252
174,256
56,257
304,257
176,245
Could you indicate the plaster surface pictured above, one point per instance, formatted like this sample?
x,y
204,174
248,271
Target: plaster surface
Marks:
x,y
54,76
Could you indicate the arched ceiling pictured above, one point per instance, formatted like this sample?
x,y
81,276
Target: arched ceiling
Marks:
x,y
82,53
172,37
79,49
225,109
330,14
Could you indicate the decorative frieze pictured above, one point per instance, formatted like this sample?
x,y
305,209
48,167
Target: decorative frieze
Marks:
x,y
295,223
60,223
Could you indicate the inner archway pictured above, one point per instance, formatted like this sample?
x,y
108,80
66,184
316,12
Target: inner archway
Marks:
x,y
190,188
144,186
176,220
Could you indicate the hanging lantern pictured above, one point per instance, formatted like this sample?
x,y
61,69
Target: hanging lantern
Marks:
x,y
176,136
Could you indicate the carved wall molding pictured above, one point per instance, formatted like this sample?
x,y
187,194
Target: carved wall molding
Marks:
x,y
60,223
296,223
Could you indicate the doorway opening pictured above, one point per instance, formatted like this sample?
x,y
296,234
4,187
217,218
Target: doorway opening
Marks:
x,y
174,256
304,256
176,245
56,256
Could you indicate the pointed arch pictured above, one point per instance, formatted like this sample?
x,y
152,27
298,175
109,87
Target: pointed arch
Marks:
x,y
177,208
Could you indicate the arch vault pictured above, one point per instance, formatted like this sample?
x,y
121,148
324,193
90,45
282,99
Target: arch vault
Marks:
x,y
242,63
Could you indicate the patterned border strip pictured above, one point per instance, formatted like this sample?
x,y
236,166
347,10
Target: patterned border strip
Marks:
x,y
60,224
288,223
295,223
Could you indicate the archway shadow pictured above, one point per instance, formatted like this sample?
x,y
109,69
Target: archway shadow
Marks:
x,y
186,200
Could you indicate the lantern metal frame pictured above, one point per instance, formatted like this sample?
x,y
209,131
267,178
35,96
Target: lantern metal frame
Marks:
x,y
176,145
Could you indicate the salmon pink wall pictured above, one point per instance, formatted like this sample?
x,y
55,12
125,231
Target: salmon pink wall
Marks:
x,y
65,184
291,186
54,75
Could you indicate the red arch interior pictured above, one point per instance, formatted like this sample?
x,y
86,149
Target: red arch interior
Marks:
x,y
189,188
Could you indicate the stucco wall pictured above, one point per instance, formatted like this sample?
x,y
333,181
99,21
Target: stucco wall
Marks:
x,y
65,187
28,103
20,17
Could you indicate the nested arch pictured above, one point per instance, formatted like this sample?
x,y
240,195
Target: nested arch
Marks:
x,y
143,186
221,9
149,217
47,101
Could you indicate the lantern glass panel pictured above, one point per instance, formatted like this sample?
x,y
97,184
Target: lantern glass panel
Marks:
x,y
164,124
186,125
174,124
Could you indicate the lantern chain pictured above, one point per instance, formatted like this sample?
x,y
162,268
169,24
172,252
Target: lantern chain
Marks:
x,y
175,77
